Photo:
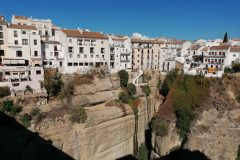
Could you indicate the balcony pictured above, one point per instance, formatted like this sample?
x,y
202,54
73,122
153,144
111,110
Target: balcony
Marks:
x,y
112,59
93,44
111,52
102,52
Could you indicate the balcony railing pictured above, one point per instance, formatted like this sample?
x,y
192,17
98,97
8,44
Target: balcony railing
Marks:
x,y
112,59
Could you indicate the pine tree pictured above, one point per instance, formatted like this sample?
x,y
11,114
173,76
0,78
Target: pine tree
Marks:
x,y
225,39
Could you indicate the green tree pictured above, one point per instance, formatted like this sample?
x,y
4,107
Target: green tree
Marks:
x,y
78,115
6,105
124,97
4,91
238,153
225,39
15,110
28,88
25,120
123,78
131,89
142,152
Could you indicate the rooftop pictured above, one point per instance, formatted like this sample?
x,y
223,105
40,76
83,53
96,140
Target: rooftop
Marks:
x,y
50,42
20,17
119,36
194,48
22,27
77,33
234,49
176,42
219,48
146,41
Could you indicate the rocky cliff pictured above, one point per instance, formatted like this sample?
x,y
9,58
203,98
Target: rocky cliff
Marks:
x,y
108,132
215,130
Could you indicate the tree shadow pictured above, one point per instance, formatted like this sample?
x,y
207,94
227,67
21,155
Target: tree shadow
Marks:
x,y
185,154
18,143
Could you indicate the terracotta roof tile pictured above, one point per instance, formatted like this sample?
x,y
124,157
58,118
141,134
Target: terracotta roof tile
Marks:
x,y
234,49
205,49
51,42
118,39
194,48
83,34
225,44
164,48
2,22
219,47
176,42
146,41
20,17
119,36
22,27
53,25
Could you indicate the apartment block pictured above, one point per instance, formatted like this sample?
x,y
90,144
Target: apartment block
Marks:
x,y
3,38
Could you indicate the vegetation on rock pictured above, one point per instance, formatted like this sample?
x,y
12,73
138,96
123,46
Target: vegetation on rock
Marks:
x,y
161,129
4,91
25,120
123,78
123,96
146,89
131,89
142,152
78,115
168,81
238,153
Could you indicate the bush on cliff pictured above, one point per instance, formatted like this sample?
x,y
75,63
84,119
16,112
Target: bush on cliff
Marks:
x,y
25,120
6,105
4,91
146,89
238,153
168,81
131,89
159,128
142,152
123,96
123,78
78,115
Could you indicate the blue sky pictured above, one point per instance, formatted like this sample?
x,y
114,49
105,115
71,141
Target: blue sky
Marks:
x,y
181,19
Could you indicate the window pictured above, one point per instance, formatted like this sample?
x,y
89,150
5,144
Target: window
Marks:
x,y
15,34
232,62
220,53
1,52
0,27
86,64
60,64
46,33
51,54
18,53
35,42
16,42
223,53
69,64
23,32
7,73
205,60
35,53
85,56
46,46
40,32
102,50
78,56
103,56
24,24
97,56
80,64
1,34
91,50
91,56
101,42
70,40
44,63
24,42
1,41
38,71
70,55
70,49
80,49
234,55
75,64
34,33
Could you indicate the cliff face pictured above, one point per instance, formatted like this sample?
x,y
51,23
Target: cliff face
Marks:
x,y
108,132
215,130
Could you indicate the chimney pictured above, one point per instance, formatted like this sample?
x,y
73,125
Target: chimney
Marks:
x,y
64,28
8,24
86,29
80,30
101,32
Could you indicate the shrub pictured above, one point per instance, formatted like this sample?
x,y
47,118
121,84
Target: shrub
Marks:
x,y
67,91
174,148
146,89
142,152
134,102
131,89
227,70
160,129
35,111
123,96
168,81
235,68
123,78
78,115
238,98
28,88
4,91
183,122
25,120
6,105
15,110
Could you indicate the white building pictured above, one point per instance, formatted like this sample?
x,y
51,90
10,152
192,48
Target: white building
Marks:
x,y
53,55
83,49
3,38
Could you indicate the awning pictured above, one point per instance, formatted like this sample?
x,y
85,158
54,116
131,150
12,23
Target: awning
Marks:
x,y
21,61
6,62
14,61
37,62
